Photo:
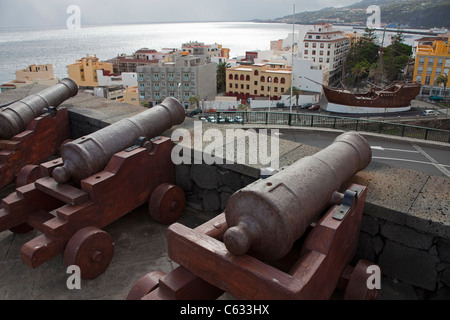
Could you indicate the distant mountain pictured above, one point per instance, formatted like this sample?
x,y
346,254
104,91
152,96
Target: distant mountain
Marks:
x,y
408,13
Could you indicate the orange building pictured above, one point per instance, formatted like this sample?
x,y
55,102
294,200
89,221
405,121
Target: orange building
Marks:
x,y
84,71
258,80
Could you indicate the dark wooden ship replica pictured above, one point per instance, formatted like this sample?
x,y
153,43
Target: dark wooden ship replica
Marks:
x,y
397,96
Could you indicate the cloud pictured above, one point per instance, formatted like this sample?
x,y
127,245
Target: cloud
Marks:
x,y
29,13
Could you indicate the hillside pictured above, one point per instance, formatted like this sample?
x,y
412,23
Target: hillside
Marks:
x,y
409,13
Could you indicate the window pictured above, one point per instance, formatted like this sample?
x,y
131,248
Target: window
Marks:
x,y
255,83
248,87
275,89
242,86
282,90
419,79
256,92
236,77
321,45
427,80
242,77
421,61
313,52
321,52
231,85
440,62
230,77
275,80
429,70
438,71
256,73
306,52
247,78
236,85
430,61
314,45
262,88
263,79
306,44
420,70
283,80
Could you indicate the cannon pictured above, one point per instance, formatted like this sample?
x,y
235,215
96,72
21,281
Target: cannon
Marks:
x,y
32,130
71,214
290,236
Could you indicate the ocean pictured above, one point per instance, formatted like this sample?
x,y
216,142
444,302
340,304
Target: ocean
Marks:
x,y
62,46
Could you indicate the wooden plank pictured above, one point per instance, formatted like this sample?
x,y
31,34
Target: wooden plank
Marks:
x,y
63,192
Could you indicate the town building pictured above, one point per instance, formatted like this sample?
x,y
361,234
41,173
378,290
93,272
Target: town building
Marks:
x,y
432,61
42,74
84,71
186,76
309,76
142,57
326,46
270,80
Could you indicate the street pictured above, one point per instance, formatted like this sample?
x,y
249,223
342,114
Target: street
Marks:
x,y
428,159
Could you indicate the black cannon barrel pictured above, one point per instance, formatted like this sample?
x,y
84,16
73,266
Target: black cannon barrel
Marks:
x,y
88,155
15,117
268,216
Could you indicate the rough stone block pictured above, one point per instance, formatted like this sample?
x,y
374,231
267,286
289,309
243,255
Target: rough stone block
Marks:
x,y
370,225
443,250
230,179
407,236
224,196
211,200
392,289
205,176
413,266
182,177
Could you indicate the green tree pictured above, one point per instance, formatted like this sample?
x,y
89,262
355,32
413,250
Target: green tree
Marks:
x,y
396,57
360,70
364,54
443,79
221,75
194,100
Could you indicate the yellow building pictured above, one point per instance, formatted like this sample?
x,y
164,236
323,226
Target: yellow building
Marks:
x,y
42,74
270,80
131,95
431,62
84,71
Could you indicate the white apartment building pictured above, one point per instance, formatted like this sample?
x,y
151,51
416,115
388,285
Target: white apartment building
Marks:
x,y
326,46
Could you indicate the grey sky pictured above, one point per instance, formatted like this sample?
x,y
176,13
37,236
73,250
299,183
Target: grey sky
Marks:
x,y
47,13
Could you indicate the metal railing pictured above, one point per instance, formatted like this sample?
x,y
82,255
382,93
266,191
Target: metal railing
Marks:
x,y
340,123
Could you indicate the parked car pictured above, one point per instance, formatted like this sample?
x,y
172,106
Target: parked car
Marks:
x,y
212,119
229,120
315,107
211,110
193,112
306,106
202,118
220,119
430,113
436,98
238,119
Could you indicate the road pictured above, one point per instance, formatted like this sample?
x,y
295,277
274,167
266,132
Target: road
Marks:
x,y
428,159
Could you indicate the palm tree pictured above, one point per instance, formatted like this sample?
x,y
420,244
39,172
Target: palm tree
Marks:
x,y
443,79
359,70
221,75
194,100
295,92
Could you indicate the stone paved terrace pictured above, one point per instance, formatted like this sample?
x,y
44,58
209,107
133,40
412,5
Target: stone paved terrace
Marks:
x,y
405,229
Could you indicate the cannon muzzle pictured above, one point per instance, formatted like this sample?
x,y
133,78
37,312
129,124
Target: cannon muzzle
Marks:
x,y
90,154
15,117
268,216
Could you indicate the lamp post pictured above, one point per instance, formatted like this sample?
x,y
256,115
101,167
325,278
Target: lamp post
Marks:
x,y
269,79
